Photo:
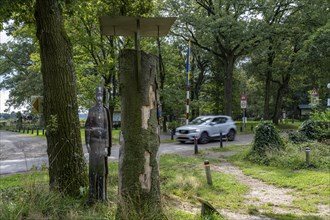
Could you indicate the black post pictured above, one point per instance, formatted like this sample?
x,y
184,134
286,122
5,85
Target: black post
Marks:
x,y
43,131
37,131
172,134
32,130
241,129
196,145
221,144
251,127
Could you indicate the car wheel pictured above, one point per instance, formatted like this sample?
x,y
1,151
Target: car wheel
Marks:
x,y
182,142
204,138
231,135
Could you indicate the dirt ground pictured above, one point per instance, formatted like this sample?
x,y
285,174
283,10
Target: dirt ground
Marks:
x,y
260,195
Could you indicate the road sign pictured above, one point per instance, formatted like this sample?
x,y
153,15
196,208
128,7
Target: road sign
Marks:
x,y
314,97
315,93
37,104
243,102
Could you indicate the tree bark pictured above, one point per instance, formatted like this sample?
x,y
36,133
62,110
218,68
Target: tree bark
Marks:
x,y
279,98
138,186
269,76
67,170
228,84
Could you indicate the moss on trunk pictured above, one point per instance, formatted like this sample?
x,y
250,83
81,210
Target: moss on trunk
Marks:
x,y
67,170
139,190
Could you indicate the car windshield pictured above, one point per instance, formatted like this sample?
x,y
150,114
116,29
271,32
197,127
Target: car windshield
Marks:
x,y
200,120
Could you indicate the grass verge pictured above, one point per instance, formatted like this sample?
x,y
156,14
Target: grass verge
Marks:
x,y
26,196
311,185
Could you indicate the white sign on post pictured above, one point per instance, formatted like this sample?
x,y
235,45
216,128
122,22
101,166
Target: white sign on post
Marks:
x,y
243,102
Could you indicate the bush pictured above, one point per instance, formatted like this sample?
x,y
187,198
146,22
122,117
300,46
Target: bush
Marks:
x,y
267,141
310,129
297,137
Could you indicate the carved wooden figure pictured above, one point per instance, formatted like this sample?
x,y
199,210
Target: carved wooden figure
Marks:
x,y
98,139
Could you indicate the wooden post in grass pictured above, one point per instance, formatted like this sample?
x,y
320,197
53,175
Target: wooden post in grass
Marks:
x,y
207,208
208,172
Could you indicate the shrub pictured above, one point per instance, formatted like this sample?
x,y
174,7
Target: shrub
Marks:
x,y
310,129
267,141
297,137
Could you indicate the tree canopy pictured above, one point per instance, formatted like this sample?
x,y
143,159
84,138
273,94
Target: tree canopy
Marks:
x,y
262,48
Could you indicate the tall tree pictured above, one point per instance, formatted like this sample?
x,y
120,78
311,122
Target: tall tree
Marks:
x,y
223,29
67,170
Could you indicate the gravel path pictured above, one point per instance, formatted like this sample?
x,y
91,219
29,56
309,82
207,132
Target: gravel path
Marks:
x,y
261,194
277,200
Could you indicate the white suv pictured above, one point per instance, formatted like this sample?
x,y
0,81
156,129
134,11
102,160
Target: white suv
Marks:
x,y
205,128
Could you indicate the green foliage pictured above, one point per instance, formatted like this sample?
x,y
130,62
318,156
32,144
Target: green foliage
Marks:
x,y
321,116
297,137
310,129
173,125
267,141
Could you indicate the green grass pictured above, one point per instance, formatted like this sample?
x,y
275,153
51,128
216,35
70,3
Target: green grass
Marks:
x,y
311,185
185,178
182,180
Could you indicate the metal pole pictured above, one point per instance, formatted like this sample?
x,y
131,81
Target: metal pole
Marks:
x,y
208,172
196,145
188,83
308,155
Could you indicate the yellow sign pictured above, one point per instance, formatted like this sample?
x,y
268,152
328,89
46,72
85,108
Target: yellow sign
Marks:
x,y
37,104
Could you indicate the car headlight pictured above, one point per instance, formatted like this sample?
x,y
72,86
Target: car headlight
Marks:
x,y
194,131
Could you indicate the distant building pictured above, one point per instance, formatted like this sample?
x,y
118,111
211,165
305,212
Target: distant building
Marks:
x,y
304,110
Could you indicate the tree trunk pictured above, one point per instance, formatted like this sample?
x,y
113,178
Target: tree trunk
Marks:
x,y
138,186
228,84
269,74
67,170
279,98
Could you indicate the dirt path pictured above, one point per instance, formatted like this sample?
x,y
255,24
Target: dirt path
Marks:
x,y
265,197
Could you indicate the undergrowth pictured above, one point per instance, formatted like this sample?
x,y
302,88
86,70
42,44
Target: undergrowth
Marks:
x,y
27,196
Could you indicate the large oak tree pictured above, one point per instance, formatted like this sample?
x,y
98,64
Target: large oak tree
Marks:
x,y
67,171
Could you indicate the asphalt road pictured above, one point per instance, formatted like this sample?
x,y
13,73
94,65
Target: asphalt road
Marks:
x,y
21,152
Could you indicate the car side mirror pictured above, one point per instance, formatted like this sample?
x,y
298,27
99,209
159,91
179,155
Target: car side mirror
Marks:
x,y
212,123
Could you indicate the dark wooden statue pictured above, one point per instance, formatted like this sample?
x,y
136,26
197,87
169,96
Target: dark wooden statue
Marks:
x,y
98,139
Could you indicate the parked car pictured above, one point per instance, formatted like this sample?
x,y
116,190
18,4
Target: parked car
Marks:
x,y
205,128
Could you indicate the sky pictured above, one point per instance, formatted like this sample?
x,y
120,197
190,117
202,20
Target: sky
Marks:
x,y
3,93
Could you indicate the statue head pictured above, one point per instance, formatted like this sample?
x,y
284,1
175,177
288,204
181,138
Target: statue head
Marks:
x,y
99,95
